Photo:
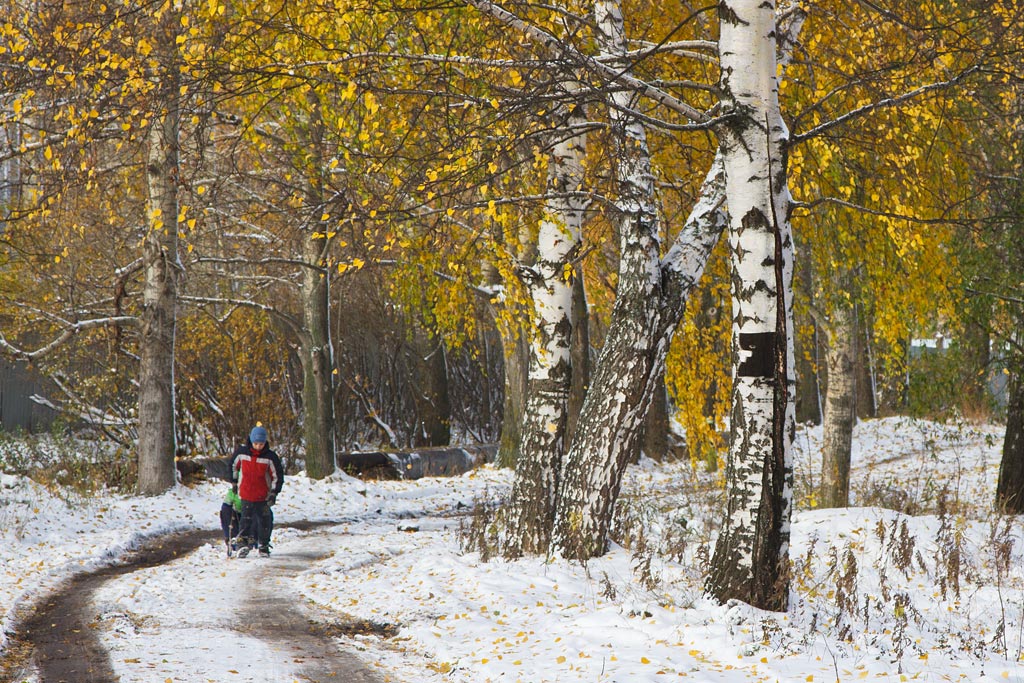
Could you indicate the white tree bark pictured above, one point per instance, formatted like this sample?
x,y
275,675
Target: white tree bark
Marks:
x,y
751,554
649,305
549,376
613,410
157,440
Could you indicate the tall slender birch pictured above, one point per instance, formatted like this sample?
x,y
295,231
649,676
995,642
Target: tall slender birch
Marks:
x,y
550,282
750,561
156,446
649,304
591,481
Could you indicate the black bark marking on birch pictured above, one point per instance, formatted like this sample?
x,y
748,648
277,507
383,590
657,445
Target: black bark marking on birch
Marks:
x,y
726,13
761,361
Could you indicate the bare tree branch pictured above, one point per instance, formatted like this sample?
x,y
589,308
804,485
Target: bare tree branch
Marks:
x,y
73,329
881,104
559,48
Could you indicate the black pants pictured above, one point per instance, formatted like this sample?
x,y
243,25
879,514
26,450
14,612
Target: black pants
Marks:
x,y
257,521
228,521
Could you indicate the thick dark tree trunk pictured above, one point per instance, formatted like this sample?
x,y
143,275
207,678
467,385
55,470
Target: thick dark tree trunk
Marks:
x,y
656,425
1010,488
516,355
315,356
580,356
808,388
317,353
866,372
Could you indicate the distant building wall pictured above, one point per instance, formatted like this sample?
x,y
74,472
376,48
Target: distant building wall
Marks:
x,y
17,410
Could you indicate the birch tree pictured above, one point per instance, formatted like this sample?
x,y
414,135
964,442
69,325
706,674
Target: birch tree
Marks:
x,y
649,297
104,93
551,281
750,561
877,211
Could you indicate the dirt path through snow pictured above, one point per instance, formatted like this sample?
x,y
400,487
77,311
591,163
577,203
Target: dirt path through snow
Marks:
x,y
238,617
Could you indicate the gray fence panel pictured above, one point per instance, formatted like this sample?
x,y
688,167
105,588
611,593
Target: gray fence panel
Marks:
x,y
17,410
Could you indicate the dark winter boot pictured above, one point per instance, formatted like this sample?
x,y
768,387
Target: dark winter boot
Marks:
x,y
265,550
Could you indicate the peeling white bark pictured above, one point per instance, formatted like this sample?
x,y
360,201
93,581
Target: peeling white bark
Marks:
x,y
649,304
751,554
549,376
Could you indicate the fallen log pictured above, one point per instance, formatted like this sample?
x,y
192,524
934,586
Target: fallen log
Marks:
x,y
444,461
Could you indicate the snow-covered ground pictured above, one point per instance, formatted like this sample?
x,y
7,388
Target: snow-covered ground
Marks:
x,y
876,594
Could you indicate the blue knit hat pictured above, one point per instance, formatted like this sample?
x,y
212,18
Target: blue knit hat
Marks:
x,y
258,435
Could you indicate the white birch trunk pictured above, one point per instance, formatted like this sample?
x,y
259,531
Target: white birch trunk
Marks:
x,y
157,440
751,555
549,377
613,409
649,304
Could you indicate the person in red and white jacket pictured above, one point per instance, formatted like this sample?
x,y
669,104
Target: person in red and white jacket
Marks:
x,y
259,475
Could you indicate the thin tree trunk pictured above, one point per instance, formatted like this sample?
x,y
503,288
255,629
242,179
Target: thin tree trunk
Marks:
x,y
978,359
840,399
317,351
808,389
864,367
516,361
1010,488
751,555
157,439
656,425
430,392
580,356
